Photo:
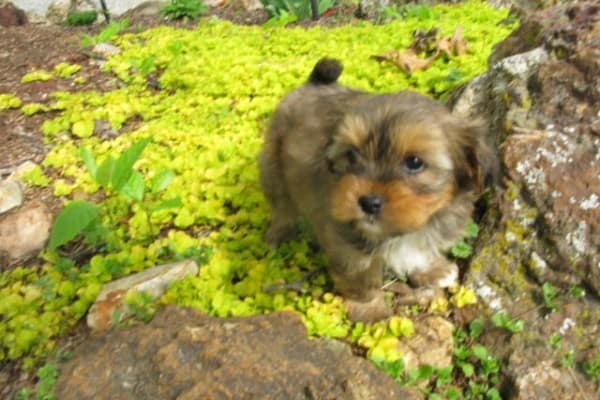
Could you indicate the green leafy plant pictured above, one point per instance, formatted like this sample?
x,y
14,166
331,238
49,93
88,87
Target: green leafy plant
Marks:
x,y
47,375
184,9
300,9
549,294
77,217
79,18
392,12
474,373
141,304
118,174
107,34
462,248
592,369
504,321
23,394
577,292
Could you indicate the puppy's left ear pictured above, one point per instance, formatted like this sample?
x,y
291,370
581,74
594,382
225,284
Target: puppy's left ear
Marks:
x,y
478,167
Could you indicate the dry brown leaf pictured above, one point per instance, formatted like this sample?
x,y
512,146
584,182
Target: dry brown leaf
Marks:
x,y
423,41
453,46
407,61
460,43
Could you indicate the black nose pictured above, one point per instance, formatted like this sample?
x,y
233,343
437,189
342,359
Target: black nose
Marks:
x,y
370,204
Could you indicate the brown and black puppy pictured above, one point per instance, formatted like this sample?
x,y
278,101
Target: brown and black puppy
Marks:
x,y
387,181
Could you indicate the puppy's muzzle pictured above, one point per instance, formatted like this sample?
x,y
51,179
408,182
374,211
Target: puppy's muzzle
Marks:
x,y
371,204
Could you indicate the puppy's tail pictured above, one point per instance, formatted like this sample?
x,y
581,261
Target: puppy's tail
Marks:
x,y
325,72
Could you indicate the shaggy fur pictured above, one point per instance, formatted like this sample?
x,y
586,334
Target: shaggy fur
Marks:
x,y
386,180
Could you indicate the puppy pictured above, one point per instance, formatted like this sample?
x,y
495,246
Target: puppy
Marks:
x,y
385,180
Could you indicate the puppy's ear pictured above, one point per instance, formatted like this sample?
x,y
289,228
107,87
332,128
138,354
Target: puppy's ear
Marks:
x,y
477,165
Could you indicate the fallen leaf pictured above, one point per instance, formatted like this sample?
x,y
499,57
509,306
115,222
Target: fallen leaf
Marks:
x,y
407,61
453,46
423,40
460,43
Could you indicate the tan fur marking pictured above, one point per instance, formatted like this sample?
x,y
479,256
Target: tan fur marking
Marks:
x,y
353,131
419,139
404,210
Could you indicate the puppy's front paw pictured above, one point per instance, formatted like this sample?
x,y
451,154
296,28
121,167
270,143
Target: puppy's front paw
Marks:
x,y
370,311
278,234
442,274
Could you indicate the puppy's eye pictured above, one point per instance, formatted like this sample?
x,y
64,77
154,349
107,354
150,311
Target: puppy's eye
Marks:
x,y
413,164
352,156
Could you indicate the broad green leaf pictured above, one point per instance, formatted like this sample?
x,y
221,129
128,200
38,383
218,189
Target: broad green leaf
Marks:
x,y
467,369
161,180
134,188
476,328
71,221
170,203
89,161
124,164
105,171
480,351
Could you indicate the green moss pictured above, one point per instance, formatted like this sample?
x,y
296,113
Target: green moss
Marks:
x,y
8,101
65,70
35,76
221,82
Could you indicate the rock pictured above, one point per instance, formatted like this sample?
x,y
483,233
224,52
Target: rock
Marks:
x,y
23,232
153,281
545,381
11,15
184,354
58,10
105,50
431,344
542,108
370,9
251,5
524,6
11,195
145,9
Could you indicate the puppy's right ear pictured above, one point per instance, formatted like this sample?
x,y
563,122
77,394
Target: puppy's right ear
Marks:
x,y
478,166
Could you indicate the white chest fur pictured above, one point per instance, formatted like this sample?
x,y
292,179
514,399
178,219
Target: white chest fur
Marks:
x,y
417,252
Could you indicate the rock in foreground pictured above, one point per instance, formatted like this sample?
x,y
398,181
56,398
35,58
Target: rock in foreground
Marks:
x,y
184,354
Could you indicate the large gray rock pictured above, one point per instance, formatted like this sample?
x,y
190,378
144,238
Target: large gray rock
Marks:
x,y
542,101
184,354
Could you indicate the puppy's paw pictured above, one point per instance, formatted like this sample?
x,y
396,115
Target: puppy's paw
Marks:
x,y
442,274
370,311
278,234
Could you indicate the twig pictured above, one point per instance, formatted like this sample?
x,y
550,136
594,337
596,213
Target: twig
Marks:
x,y
295,285
105,11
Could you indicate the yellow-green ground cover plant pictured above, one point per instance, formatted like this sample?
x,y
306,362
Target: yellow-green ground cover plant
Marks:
x,y
201,129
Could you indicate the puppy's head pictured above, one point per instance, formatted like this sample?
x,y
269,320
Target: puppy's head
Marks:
x,y
399,159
